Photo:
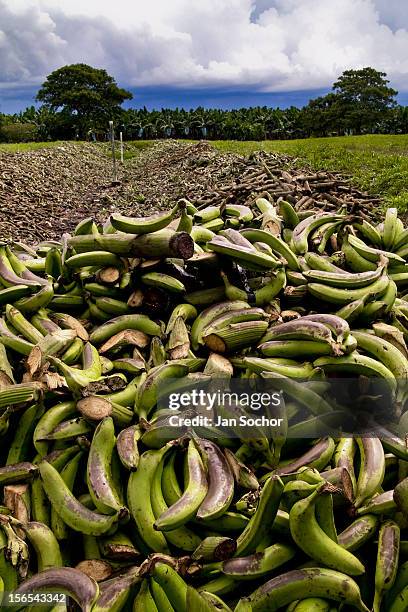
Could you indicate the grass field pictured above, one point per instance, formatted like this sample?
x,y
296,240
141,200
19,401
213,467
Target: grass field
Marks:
x,y
131,148
377,163
20,147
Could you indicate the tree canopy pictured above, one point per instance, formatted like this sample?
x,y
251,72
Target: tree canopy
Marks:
x,y
361,101
82,95
364,97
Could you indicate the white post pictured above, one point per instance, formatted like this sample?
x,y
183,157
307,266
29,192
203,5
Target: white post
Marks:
x,y
112,139
121,146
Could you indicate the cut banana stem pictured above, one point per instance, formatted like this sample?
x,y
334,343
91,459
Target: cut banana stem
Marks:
x,y
162,243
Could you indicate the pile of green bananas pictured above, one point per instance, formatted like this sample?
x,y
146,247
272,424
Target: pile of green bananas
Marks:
x,y
105,501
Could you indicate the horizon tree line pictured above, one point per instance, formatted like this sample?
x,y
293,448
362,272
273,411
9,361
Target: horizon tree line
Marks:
x,y
79,100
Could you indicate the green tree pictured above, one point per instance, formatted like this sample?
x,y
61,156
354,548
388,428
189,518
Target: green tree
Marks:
x,y
85,96
323,116
364,97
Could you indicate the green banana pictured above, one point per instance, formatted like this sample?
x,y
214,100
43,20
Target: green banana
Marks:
x,y
100,482
133,321
303,583
148,392
172,584
47,423
72,512
182,537
53,263
311,538
356,261
289,214
259,563
373,254
144,602
401,580
21,443
390,228
369,231
186,311
112,306
300,329
93,258
313,261
372,468
45,545
299,392
385,352
291,370
336,295
400,602
264,515
115,592
170,485
248,257
186,222
219,586
209,213
346,280
351,311
276,243
163,281
215,601
208,315
144,225
215,548
73,353
162,602
86,226
356,364
295,348
69,429
36,301
68,474
302,231
22,325
21,269
187,505
139,502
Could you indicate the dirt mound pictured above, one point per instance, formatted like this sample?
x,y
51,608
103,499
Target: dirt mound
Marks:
x,y
45,193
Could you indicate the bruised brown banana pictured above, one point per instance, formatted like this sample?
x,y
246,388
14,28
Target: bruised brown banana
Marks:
x,y
221,482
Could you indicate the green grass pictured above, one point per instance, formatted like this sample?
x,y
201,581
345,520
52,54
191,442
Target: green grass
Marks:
x,y
27,146
132,148
376,163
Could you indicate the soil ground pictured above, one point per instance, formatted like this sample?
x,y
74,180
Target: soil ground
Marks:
x,y
46,191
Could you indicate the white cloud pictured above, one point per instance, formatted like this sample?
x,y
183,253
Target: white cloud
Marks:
x,y
266,45
393,13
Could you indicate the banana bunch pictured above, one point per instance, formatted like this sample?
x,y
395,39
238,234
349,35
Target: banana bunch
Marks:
x,y
105,500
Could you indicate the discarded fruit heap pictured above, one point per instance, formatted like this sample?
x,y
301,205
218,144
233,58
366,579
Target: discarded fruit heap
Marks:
x,y
97,503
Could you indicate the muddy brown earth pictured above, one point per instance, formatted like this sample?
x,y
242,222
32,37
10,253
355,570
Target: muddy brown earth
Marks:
x,y
44,193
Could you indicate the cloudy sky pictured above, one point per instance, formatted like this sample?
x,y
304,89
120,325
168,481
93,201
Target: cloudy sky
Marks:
x,y
226,53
